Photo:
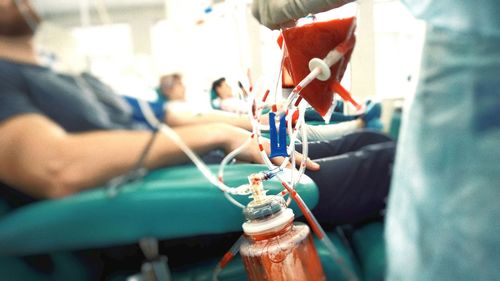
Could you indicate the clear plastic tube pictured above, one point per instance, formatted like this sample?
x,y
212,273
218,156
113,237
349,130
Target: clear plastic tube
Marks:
x,y
255,121
305,152
291,147
317,229
228,256
233,201
242,190
230,157
315,226
333,57
223,164
320,233
167,131
349,36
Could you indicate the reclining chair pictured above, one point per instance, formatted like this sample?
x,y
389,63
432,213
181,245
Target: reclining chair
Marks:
x,y
166,204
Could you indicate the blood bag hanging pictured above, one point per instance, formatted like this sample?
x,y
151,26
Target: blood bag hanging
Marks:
x,y
303,43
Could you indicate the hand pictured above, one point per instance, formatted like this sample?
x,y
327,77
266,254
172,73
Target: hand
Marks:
x,y
236,137
310,165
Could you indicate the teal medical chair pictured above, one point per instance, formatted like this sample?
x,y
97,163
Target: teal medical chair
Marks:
x,y
166,204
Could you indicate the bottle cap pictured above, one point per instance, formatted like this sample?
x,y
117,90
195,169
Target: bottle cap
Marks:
x,y
266,215
265,225
261,210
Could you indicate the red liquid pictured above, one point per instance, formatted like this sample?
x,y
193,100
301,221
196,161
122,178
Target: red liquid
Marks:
x,y
315,41
287,254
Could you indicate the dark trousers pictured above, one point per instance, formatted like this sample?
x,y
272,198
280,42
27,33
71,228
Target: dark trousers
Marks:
x,y
354,178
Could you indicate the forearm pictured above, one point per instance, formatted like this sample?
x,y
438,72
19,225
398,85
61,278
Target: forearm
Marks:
x,y
39,158
176,119
103,155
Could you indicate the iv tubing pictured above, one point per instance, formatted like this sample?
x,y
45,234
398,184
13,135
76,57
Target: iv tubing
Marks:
x,y
228,256
233,201
315,226
238,150
305,151
167,131
230,157
199,164
320,233
291,147
291,130
255,121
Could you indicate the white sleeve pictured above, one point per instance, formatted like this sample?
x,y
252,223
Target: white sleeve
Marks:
x,y
274,13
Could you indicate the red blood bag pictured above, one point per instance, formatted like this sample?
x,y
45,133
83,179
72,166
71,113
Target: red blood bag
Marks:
x,y
309,41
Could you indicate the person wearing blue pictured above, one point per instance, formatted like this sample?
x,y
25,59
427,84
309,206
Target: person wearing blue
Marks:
x,y
170,89
442,218
442,221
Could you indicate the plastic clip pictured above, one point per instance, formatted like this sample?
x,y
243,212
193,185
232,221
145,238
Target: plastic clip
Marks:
x,y
337,88
278,137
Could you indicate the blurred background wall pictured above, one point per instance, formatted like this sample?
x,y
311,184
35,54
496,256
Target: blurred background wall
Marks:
x,y
130,43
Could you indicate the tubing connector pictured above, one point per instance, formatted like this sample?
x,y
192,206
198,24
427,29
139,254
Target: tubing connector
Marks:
x,y
256,187
258,192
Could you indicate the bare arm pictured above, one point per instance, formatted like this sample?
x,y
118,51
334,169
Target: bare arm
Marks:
x,y
39,158
176,118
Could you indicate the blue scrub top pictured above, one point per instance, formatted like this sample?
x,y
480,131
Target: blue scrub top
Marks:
x,y
443,213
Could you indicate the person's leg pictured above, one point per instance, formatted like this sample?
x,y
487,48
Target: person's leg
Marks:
x,y
181,114
331,131
311,115
370,120
343,144
353,186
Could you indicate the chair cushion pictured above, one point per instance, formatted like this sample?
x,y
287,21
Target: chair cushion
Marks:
x,y
368,243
